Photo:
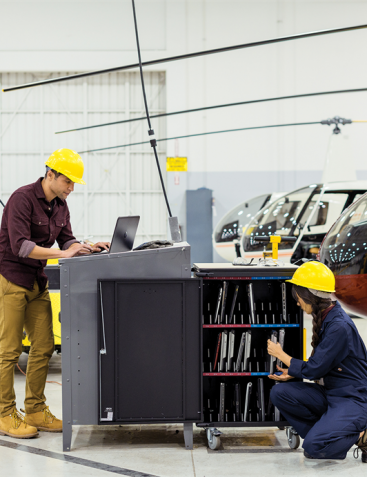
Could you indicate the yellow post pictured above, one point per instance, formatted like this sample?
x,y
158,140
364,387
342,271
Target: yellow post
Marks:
x,y
274,240
304,344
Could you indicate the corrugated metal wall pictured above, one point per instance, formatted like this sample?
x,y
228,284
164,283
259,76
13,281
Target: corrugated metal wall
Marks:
x,y
120,181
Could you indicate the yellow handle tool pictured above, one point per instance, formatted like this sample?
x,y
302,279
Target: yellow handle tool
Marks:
x,y
274,240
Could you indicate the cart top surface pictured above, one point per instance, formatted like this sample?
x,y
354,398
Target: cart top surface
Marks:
x,y
132,253
229,267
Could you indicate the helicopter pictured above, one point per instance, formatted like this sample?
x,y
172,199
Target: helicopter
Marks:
x,y
228,231
344,251
306,213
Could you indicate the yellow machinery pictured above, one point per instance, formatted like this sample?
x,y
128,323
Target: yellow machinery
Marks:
x,y
55,303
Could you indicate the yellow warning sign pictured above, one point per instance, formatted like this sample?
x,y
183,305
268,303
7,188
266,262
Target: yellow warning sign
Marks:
x,y
176,164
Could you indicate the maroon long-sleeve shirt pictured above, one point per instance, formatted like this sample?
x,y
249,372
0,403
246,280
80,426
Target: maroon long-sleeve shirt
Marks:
x,y
29,220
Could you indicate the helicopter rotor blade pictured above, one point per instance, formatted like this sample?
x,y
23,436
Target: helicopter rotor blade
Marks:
x,y
188,55
329,122
295,96
201,134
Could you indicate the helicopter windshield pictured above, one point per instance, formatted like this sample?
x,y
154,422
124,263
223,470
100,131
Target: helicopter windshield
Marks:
x,y
232,224
344,249
286,216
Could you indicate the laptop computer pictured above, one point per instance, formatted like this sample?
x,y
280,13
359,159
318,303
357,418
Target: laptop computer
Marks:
x,y
124,234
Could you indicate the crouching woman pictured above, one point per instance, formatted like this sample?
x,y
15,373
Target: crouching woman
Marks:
x,y
332,417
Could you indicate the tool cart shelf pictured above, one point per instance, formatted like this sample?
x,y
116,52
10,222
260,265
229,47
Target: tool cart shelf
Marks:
x,y
244,306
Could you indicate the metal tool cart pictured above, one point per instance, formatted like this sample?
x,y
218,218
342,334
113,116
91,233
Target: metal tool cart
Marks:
x,y
136,367
243,306
140,336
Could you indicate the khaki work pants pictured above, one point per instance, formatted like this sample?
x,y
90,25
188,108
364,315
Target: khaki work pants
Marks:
x,y
21,308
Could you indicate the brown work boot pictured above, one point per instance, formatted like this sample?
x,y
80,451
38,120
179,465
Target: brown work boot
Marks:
x,y
15,425
45,421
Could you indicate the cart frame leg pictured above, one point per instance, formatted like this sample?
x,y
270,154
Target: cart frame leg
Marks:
x,y
189,436
66,437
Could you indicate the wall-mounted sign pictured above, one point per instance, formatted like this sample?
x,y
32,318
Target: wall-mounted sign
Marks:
x,y
176,164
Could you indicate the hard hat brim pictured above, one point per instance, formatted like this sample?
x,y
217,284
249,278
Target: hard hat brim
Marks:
x,y
70,176
75,179
315,287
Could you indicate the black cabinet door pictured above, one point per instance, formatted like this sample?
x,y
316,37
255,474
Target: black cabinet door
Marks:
x,y
152,368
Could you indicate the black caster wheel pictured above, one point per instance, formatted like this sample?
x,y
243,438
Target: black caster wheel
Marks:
x,y
214,444
294,442
213,436
293,438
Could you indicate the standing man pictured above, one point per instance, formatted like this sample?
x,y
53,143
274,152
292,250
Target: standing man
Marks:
x,y
35,216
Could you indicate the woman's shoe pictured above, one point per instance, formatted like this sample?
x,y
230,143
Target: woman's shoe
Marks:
x,y
361,445
307,455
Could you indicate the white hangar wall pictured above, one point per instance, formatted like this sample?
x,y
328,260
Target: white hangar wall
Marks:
x,y
119,182
55,37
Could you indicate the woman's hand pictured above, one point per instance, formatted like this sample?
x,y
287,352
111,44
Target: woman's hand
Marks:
x,y
274,349
283,377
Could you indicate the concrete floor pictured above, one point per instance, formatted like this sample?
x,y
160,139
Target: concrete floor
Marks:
x,y
158,450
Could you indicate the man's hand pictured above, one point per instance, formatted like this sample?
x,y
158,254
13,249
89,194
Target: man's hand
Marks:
x,y
283,377
99,246
77,249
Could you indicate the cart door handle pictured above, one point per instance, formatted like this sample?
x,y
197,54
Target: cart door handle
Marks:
x,y
104,349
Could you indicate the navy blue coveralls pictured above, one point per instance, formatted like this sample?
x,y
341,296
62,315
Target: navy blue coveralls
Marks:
x,y
329,418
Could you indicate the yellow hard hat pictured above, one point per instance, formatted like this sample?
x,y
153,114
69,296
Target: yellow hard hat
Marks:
x,y
68,163
314,275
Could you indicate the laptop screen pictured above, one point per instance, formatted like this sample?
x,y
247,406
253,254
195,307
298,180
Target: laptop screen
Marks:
x,y
124,234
